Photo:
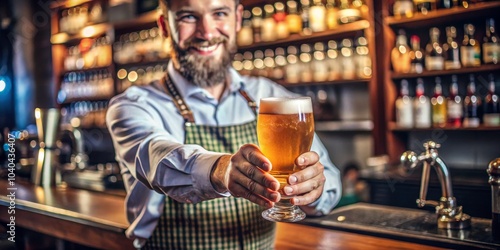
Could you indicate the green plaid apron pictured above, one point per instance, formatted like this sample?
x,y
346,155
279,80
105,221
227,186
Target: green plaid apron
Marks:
x,y
225,223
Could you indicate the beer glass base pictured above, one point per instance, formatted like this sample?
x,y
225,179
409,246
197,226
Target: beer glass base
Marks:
x,y
284,212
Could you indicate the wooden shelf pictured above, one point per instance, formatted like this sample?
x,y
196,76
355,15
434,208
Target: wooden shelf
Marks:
x,y
141,63
336,82
343,126
393,127
109,67
148,18
90,31
84,99
343,31
442,16
67,4
482,68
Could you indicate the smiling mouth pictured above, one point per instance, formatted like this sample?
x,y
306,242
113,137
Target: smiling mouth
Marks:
x,y
205,49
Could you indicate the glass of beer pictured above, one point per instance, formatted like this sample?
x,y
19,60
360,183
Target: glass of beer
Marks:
x,y
285,130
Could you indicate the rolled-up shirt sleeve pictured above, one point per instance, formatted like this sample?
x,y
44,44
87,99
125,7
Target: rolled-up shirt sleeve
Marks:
x,y
155,157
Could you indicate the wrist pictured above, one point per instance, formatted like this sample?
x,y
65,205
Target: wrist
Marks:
x,y
219,176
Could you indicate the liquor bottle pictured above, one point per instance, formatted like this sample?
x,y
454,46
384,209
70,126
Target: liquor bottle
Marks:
x,y
305,57
280,62
451,50
331,14
347,59
268,31
491,105
472,105
292,72
282,31
416,55
306,21
333,61
293,19
245,35
465,3
258,63
421,107
491,44
438,103
269,64
434,59
257,24
454,105
318,65
400,54
448,4
317,16
348,13
424,6
470,52
362,58
404,106
403,8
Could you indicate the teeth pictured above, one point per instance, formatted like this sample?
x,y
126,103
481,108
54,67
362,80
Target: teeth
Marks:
x,y
205,48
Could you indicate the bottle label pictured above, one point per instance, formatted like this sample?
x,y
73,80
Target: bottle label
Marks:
x,y
403,8
404,112
434,63
422,113
317,18
455,110
471,122
491,119
470,56
452,65
491,52
349,15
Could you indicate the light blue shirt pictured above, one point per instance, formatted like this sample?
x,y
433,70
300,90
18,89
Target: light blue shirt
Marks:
x,y
148,135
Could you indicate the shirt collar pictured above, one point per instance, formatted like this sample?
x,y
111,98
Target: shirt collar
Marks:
x,y
188,89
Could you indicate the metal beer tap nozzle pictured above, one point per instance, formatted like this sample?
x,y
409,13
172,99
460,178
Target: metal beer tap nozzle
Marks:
x,y
450,215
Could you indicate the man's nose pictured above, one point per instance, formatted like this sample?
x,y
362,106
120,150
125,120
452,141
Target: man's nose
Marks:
x,y
207,29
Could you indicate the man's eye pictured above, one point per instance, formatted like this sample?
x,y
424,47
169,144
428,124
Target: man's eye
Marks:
x,y
220,14
188,18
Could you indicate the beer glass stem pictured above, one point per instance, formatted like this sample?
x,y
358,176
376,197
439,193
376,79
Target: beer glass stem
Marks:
x,y
284,211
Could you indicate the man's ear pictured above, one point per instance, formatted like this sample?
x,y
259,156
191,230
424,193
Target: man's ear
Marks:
x,y
239,17
162,26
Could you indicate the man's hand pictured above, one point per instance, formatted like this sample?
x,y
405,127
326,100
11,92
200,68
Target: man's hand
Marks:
x,y
307,184
245,174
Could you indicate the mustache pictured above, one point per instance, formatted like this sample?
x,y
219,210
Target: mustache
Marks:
x,y
205,43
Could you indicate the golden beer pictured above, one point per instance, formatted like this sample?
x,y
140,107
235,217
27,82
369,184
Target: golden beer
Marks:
x,y
285,130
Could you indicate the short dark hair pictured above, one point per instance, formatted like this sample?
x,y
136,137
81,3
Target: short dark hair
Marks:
x,y
167,2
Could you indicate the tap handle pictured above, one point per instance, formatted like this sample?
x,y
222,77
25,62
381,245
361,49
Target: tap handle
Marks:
x,y
431,145
494,172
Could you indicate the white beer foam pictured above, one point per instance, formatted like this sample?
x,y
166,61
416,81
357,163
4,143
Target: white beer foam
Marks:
x,y
285,105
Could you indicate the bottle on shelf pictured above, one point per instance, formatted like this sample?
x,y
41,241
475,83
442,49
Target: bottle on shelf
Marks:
x,y
472,106
282,31
404,106
470,51
333,61
448,4
317,16
306,21
348,13
347,59
331,14
421,107
403,8
491,115
268,30
257,24
245,35
269,64
438,103
491,44
362,58
455,110
305,57
416,56
424,6
292,74
318,65
280,62
293,19
400,54
434,59
465,3
451,50
258,64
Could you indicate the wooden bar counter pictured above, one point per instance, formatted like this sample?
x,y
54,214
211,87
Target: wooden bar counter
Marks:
x,y
98,220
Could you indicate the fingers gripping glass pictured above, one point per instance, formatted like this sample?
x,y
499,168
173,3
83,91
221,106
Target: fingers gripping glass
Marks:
x,y
285,130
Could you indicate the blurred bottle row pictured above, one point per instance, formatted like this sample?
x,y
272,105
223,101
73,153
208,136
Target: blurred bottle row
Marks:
x,y
86,114
479,105
72,20
277,21
143,46
90,53
310,62
96,84
449,55
139,75
407,8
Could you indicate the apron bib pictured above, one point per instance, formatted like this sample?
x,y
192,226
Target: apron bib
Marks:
x,y
223,223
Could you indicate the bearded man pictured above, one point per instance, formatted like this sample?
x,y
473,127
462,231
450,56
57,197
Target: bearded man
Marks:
x,y
187,147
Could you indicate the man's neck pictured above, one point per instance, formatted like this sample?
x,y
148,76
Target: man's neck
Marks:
x,y
217,90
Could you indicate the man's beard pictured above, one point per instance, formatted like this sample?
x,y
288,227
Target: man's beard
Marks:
x,y
204,71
